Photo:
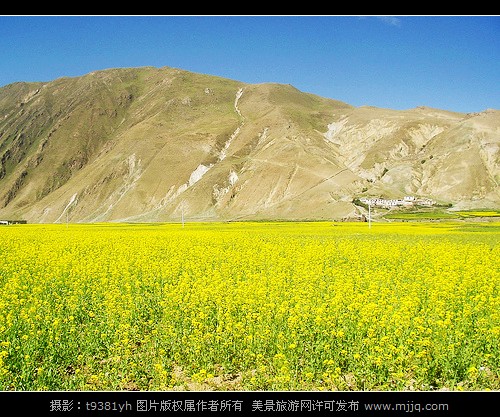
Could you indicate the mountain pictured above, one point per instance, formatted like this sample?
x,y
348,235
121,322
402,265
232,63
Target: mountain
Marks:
x,y
155,144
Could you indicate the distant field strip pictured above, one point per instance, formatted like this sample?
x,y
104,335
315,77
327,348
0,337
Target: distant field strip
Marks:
x,y
250,306
486,213
438,215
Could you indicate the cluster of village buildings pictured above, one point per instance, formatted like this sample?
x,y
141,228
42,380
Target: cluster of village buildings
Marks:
x,y
407,201
7,222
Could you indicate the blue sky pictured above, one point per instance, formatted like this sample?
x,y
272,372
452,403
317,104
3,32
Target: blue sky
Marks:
x,y
397,62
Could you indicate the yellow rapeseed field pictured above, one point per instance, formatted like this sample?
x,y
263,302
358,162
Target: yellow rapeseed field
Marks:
x,y
250,306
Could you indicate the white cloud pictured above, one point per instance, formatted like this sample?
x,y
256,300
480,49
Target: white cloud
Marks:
x,y
390,20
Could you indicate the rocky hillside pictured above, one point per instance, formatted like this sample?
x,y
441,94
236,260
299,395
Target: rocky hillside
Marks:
x,y
153,144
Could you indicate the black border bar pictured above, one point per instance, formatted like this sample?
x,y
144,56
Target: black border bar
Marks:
x,y
239,403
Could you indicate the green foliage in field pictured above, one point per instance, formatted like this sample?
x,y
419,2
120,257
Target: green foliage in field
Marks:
x,y
422,215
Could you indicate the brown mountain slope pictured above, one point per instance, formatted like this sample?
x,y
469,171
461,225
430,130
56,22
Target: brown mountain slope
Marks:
x,y
148,144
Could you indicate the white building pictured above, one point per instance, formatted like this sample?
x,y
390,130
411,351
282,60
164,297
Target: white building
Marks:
x,y
406,201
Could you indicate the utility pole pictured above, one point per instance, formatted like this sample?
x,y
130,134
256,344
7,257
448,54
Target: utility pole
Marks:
x,y
369,216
